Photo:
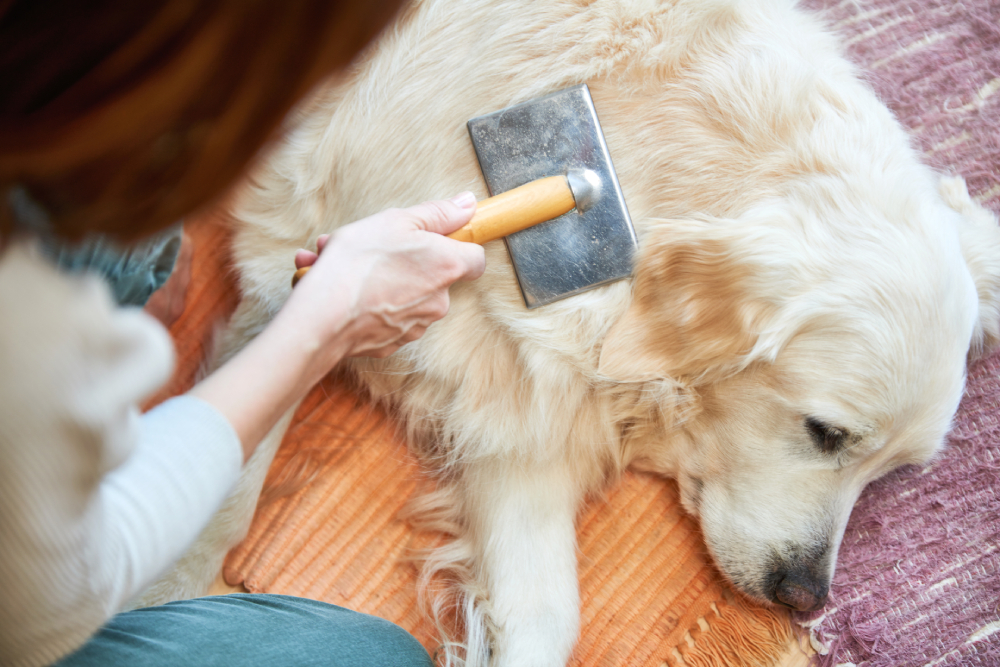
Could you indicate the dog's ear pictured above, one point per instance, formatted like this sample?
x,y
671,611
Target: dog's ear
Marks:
x,y
692,312
980,239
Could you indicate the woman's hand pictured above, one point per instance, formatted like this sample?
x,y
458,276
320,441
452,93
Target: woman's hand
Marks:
x,y
374,286
387,276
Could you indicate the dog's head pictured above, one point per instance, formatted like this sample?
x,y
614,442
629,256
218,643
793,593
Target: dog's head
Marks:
x,y
824,344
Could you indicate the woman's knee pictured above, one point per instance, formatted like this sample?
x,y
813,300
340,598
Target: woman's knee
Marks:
x,y
251,629
361,639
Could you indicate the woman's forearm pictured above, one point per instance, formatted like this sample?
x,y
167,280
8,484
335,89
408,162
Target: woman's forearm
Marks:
x,y
267,377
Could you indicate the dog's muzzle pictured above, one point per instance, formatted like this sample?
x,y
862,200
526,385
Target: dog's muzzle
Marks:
x,y
800,589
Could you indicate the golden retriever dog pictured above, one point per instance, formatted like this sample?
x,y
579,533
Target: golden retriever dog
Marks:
x,y
803,303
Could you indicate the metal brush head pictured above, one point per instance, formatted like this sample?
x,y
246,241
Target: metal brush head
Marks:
x,y
591,245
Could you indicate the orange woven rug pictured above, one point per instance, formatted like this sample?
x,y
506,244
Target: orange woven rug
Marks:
x,y
649,595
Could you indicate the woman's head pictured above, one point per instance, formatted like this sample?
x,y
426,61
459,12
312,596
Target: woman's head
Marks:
x,y
121,117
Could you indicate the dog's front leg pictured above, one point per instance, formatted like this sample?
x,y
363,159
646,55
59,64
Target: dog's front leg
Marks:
x,y
521,518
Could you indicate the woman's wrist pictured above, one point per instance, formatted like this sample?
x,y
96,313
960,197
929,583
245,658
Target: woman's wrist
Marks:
x,y
272,373
317,341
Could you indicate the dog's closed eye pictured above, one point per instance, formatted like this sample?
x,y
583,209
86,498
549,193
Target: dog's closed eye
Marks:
x,y
829,439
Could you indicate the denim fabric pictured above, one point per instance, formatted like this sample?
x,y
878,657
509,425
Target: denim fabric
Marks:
x,y
133,272
228,630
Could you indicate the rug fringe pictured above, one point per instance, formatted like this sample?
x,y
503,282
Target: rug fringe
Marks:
x,y
735,634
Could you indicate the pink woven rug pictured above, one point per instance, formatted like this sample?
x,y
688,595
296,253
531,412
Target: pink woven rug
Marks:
x,y
918,580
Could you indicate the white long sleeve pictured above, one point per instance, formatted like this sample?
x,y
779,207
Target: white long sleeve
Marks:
x,y
96,501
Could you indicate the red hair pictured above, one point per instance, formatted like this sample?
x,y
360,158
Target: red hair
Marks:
x,y
121,117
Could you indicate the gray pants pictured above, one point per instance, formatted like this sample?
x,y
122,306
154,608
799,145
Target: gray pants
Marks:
x,y
229,630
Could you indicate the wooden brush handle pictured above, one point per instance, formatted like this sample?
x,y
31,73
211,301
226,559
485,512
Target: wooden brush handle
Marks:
x,y
517,209
509,212
297,276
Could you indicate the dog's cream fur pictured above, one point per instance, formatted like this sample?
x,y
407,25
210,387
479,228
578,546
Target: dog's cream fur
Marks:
x,y
802,307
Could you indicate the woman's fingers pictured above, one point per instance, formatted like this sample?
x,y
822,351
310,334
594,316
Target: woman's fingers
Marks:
x,y
305,257
444,216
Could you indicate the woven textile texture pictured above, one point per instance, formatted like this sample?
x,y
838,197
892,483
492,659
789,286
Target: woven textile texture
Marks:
x,y
918,579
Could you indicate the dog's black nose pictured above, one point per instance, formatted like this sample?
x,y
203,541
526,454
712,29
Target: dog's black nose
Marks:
x,y
799,589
